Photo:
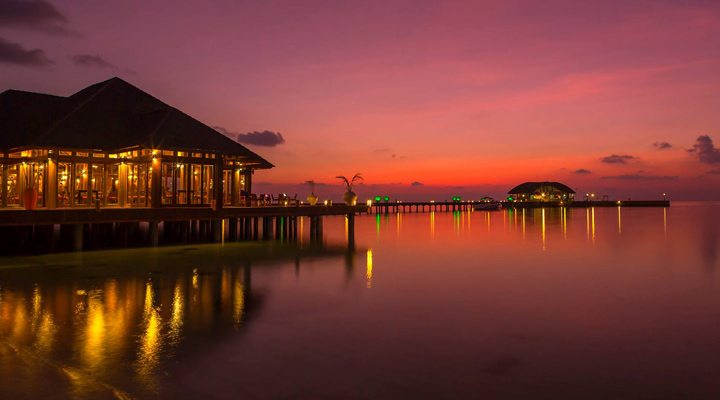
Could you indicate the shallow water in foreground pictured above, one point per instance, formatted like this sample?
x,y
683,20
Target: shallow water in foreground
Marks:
x,y
594,304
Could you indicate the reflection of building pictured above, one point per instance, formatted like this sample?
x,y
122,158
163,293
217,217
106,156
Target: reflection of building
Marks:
x,y
115,144
541,191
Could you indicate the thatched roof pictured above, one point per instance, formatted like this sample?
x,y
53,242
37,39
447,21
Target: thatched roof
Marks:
x,y
110,115
534,187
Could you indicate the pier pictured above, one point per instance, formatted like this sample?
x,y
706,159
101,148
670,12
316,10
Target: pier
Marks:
x,y
450,206
75,229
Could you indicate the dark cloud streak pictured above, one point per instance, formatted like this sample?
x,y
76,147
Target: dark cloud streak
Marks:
x,y
263,138
33,14
662,145
617,159
14,53
639,177
705,150
582,171
90,60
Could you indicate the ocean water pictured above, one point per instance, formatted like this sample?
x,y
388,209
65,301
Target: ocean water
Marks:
x,y
604,303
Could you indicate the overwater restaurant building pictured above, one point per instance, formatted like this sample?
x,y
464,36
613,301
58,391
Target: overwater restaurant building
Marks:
x,y
113,145
541,191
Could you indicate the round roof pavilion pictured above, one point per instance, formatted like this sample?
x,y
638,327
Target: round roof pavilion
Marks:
x,y
539,187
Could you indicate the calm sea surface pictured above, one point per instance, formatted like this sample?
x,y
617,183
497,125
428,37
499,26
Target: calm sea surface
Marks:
x,y
603,303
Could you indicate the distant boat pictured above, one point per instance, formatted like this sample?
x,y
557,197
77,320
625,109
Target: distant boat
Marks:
x,y
487,204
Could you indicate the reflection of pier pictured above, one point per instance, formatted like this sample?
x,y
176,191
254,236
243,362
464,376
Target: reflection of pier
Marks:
x,y
589,203
77,229
451,206
421,206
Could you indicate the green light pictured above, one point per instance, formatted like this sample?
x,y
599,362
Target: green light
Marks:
x,y
386,198
509,198
377,199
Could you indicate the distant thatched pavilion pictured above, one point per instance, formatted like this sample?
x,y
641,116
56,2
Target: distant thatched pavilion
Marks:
x,y
541,191
111,144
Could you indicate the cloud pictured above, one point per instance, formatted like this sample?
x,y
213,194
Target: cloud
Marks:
x,y
13,53
89,60
662,145
33,14
617,159
582,171
705,150
713,172
639,177
264,138
416,183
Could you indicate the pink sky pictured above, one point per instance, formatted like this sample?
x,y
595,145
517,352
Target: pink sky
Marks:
x,y
463,97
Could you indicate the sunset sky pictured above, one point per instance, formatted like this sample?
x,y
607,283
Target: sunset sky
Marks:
x,y
425,98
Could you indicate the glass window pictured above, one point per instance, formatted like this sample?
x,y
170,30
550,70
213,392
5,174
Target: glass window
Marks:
x,y
80,191
207,184
195,184
13,185
227,186
181,183
97,183
64,190
38,172
168,178
111,184
138,178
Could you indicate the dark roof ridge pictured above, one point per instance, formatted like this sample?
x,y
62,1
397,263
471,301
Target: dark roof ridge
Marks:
x,y
73,110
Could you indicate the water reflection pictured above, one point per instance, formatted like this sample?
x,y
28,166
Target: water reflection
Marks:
x,y
369,268
569,283
80,331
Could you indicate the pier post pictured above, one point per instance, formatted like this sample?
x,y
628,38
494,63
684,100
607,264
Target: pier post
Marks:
x,y
217,232
247,228
255,234
77,237
267,228
153,234
233,227
316,229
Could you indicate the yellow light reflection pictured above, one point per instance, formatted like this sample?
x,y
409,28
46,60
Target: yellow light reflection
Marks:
x,y
238,301
592,219
398,218
46,333
587,222
20,320
564,222
300,234
195,278
178,311
665,221
432,224
94,348
523,223
469,218
619,221
222,231
369,271
150,340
